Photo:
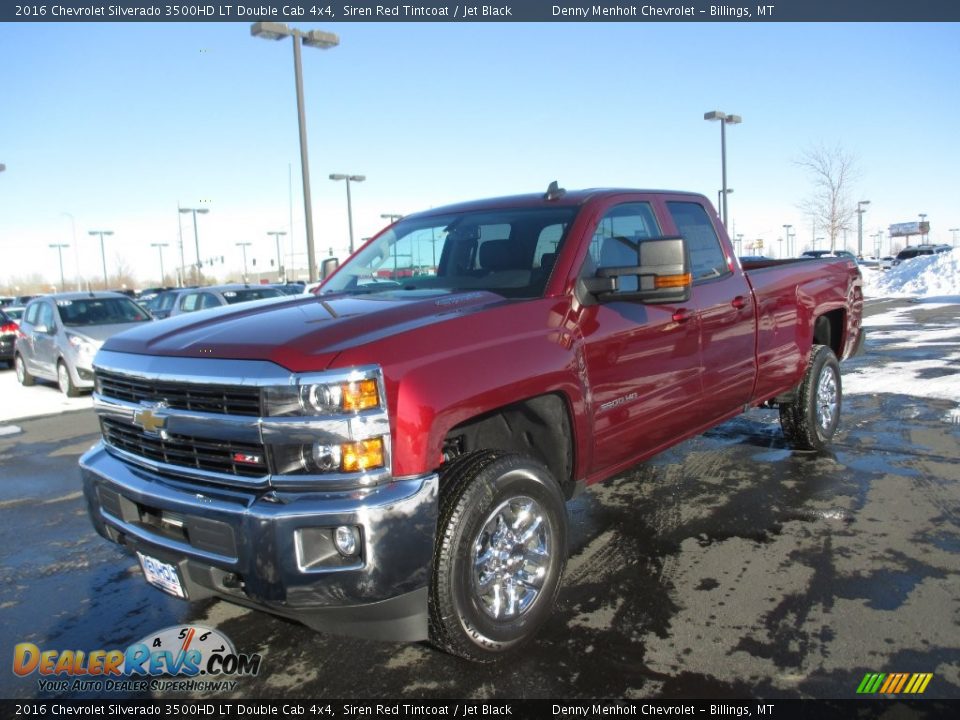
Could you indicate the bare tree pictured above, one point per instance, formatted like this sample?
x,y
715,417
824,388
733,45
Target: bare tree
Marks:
x,y
832,171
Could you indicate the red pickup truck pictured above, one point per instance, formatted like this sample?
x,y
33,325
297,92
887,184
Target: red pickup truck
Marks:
x,y
391,457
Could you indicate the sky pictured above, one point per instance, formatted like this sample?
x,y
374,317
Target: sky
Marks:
x,y
111,126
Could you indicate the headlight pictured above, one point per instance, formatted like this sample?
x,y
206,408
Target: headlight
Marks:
x,y
350,457
351,395
81,344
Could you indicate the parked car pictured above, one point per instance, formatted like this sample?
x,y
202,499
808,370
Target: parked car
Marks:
x,y
161,305
393,461
204,298
817,254
7,300
9,329
290,288
909,253
60,334
886,262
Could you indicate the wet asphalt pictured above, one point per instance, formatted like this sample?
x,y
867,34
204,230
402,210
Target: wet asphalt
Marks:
x,y
727,567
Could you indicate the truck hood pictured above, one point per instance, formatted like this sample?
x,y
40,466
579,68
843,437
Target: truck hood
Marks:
x,y
303,333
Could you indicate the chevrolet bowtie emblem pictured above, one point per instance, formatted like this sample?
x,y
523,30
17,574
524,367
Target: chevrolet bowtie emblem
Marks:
x,y
148,420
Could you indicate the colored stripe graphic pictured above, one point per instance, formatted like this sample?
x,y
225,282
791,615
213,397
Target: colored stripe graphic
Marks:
x,y
894,683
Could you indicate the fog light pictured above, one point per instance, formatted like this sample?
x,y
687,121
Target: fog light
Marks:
x,y
347,540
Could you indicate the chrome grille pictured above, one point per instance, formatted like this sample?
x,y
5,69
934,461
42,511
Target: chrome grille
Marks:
x,y
219,456
225,400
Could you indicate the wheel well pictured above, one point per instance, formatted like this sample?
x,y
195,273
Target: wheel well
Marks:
x,y
539,427
828,330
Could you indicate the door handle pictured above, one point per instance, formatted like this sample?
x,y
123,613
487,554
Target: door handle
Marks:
x,y
739,302
682,315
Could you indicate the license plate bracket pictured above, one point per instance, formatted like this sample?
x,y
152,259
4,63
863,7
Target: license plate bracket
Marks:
x,y
162,575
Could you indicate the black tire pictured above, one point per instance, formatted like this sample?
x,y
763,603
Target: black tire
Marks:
x,y
477,492
23,375
810,421
65,382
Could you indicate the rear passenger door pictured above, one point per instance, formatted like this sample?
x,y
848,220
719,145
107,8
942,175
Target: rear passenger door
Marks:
x,y
725,303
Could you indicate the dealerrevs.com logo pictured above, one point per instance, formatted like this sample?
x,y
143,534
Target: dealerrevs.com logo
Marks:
x,y
181,651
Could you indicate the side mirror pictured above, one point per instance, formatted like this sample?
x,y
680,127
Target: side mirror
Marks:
x,y
662,275
328,266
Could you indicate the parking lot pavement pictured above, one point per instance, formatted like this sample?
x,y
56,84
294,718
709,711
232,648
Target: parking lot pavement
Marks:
x,y
727,567
43,398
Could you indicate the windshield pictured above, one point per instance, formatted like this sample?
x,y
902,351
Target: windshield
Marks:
x,y
100,311
239,296
509,252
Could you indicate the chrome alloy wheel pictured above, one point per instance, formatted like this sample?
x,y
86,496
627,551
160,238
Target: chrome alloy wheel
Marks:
x,y
510,558
827,400
63,378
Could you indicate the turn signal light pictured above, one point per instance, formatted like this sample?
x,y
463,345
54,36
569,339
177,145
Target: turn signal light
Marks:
x,y
360,395
362,455
673,281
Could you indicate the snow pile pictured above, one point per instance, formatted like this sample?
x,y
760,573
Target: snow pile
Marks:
x,y
925,276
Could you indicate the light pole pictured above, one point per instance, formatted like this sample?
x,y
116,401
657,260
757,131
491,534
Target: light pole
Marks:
x,y
60,247
721,195
181,280
276,236
953,232
787,229
160,247
317,39
860,211
76,255
196,237
243,246
923,235
739,247
349,179
725,120
103,254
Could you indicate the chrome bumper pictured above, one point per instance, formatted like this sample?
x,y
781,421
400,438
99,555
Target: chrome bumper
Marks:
x,y
272,550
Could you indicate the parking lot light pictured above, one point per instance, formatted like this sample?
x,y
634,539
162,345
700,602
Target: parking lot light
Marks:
x,y
349,179
861,205
724,119
314,39
953,232
277,234
60,247
196,238
103,254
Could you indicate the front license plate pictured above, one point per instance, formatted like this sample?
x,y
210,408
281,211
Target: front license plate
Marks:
x,y
161,575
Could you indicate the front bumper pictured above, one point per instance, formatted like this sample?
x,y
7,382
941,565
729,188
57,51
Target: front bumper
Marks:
x,y
271,551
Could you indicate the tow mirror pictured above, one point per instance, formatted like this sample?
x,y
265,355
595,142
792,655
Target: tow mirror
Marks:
x,y
661,276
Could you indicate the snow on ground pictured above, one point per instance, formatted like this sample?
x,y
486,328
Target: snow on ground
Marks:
x,y
924,276
41,399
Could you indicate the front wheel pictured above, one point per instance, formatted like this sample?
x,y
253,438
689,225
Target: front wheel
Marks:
x,y
501,550
65,381
810,420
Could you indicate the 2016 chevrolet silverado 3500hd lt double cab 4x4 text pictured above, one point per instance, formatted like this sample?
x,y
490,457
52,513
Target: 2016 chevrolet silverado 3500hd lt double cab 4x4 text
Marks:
x,y
391,457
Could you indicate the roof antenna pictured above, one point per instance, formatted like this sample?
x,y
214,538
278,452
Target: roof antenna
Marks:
x,y
554,192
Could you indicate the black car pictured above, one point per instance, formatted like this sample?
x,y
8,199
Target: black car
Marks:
x,y
8,336
909,253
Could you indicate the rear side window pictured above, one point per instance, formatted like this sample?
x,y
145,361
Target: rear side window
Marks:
x,y
707,260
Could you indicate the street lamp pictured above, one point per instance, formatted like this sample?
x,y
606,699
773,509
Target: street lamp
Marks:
x,y
349,179
923,236
725,120
196,237
243,246
860,211
160,247
720,195
276,236
103,254
739,247
787,229
954,232
60,247
317,39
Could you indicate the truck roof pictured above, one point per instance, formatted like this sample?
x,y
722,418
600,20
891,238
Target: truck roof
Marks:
x,y
567,198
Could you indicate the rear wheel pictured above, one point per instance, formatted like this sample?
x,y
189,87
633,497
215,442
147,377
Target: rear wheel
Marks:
x,y
501,549
23,375
811,419
65,381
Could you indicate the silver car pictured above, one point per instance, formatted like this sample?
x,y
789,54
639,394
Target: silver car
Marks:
x,y
60,334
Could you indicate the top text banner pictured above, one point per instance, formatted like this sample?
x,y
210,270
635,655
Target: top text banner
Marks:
x,y
503,11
